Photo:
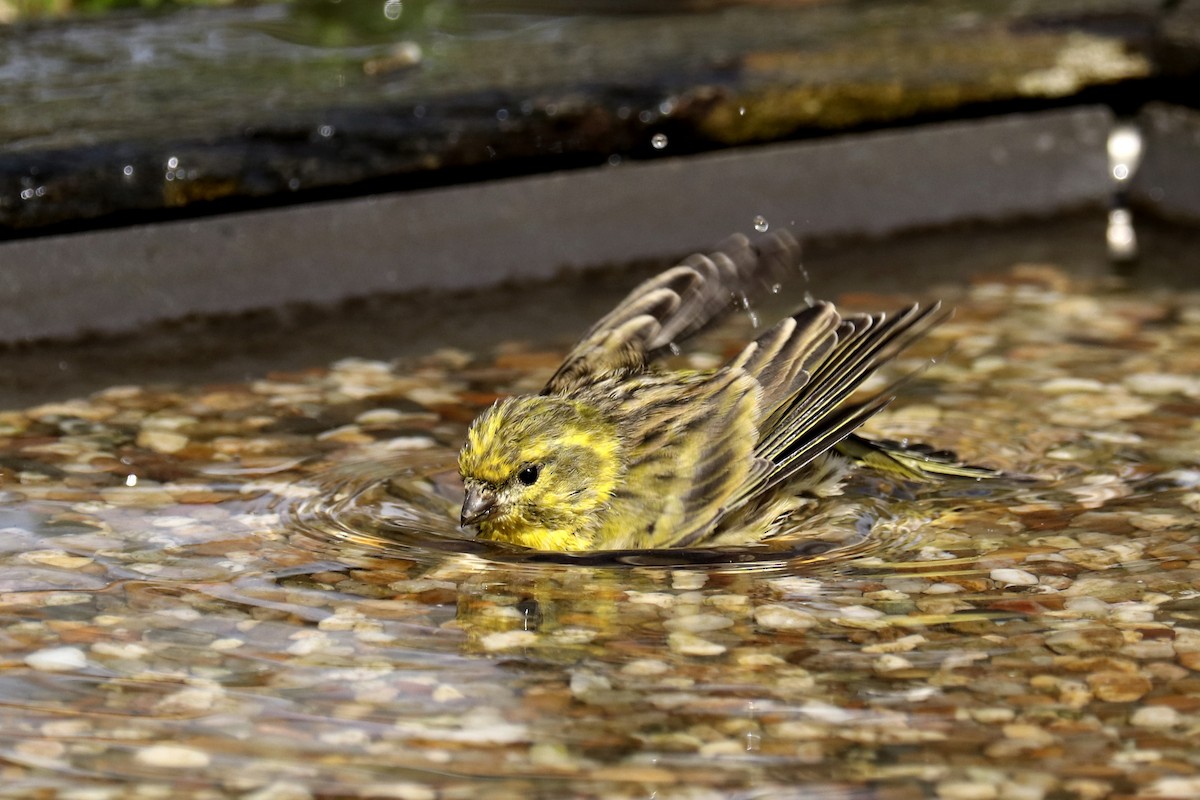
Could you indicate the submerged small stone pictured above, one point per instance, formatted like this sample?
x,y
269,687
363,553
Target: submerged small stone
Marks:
x,y
784,618
1014,577
689,644
174,757
57,659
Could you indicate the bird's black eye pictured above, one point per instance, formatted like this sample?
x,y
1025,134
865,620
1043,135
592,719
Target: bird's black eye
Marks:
x,y
529,475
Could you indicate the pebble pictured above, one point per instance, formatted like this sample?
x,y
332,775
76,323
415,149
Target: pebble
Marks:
x,y
1175,788
1118,687
689,644
161,441
1072,385
173,756
644,667
40,750
191,699
445,693
508,640
403,443
1014,791
399,790
57,659
992,715
1093,638
1013,577
859,613
659,599
585,682
56,558
1158,521
783,618
756,659
569,636
698,623
966,790
634,774
890,662
902,645
1163,384
1091,607
430,396
344,737
1155,717
379,416
1149,650
128,650
688,580
280,790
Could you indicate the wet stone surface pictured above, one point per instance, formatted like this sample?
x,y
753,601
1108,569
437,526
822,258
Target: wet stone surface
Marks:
x,y
234,105
256,590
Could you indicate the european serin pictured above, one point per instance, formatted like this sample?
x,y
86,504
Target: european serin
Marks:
x,y
615,454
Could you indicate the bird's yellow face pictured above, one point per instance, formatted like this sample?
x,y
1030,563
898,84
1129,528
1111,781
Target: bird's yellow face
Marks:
x,y
538,472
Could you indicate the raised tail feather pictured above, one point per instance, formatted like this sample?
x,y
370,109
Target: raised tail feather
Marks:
x,y
912,462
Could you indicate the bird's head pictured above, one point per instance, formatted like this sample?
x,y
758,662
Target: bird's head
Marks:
x,y
538,472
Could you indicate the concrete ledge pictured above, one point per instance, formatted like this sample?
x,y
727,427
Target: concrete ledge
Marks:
x,y
1168,181
479,235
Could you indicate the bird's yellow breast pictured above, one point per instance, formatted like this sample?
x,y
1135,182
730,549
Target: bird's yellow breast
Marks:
x,y
526,535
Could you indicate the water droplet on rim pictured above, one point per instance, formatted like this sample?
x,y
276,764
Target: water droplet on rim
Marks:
x,y
658,141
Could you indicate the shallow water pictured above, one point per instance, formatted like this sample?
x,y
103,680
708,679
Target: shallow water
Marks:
x,y
256,589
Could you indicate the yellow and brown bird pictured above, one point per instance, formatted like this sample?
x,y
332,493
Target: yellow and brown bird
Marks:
x,y
617,454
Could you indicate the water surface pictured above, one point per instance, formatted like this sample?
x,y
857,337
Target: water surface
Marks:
x,y
254,588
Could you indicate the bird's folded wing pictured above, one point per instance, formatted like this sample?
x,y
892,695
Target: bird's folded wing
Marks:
x,y
818,416
693,452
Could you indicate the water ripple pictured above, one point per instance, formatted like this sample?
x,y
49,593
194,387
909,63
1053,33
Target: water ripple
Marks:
x,y
405,507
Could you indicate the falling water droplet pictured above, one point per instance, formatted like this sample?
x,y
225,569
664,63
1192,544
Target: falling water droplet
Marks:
x,y
658,141
761,224
674,348
776,287
1121,236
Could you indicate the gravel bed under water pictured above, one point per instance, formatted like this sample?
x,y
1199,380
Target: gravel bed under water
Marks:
x,y
257,590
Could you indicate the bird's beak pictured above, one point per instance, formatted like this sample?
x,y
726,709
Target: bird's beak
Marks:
x,y
479,504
